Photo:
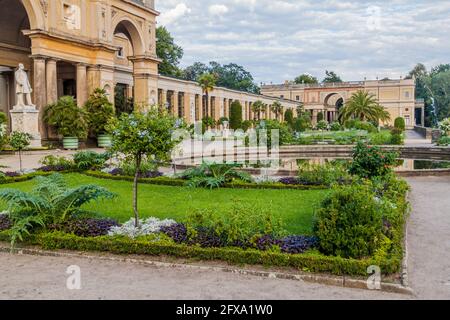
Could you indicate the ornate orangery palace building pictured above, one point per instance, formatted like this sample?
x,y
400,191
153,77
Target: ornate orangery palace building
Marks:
x,y
71,47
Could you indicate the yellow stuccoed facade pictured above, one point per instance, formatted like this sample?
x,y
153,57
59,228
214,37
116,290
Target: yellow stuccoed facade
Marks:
x,y
71,47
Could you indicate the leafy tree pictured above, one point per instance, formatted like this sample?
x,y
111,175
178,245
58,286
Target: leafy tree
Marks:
x,y
277,108
306,79
193,73
232,76
207,82
169,52
331,77
259,107
19,141
235,115
143,136
364,106
99,111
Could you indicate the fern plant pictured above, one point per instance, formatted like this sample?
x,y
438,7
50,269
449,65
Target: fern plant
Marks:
x,y
214,175
50,201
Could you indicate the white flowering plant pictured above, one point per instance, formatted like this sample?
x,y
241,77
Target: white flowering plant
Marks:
x,y
145,227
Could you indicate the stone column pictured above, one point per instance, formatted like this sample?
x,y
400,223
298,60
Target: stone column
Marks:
x,y
82,91
189,116
52,81
422,119
145,74
39,88
199,107
4,94
163,98
175,103
314,117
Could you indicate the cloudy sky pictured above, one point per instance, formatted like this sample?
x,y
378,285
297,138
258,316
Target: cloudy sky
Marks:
x,y
277,40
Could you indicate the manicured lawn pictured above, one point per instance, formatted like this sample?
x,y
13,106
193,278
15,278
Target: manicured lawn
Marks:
x,y
295,207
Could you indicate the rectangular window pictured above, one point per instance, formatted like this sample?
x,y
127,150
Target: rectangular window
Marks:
x,y
297,98
120,53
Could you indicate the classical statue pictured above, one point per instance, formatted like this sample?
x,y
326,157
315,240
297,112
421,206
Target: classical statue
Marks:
x,y
23,87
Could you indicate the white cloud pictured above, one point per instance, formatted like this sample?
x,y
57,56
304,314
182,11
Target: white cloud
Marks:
x,y
170,16
278,39
218,9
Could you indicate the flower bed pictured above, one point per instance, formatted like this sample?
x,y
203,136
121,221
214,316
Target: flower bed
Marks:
x,y
312,262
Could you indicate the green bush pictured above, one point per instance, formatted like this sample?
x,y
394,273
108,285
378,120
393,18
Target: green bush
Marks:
x,y
345,229
383,137
369,161
364,219
302,123
99,111
67,118
241,223
397,139
443,141
323,174
399,123
335,126
3,130
57,161
90,160
284,133
235,115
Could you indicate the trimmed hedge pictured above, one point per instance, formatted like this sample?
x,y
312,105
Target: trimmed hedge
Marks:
x,y
181,183
312,262
31,176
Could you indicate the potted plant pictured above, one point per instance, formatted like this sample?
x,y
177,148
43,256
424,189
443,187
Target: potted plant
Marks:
x,y
99,113
68,120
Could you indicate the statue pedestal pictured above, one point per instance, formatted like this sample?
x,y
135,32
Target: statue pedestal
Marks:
x,y
26,119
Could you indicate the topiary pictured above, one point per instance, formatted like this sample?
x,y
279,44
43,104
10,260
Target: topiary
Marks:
x,y
320,116
399,123
335,126
235,115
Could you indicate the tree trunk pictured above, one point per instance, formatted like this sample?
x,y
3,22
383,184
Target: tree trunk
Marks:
x,y
135,191
207,103
20,160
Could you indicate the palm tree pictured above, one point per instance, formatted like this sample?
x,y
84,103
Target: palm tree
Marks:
x,y
207,82
277,108
258,107
365,107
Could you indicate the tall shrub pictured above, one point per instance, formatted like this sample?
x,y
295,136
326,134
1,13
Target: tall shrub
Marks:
x,y
369,162
289,117
99,111
235,115
399,123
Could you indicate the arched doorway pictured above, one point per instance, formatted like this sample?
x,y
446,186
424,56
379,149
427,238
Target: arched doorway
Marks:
x,y
134,70
15,48
333,102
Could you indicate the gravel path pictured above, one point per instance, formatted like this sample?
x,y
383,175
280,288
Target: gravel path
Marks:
x,y
31,277
35,277
429,237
